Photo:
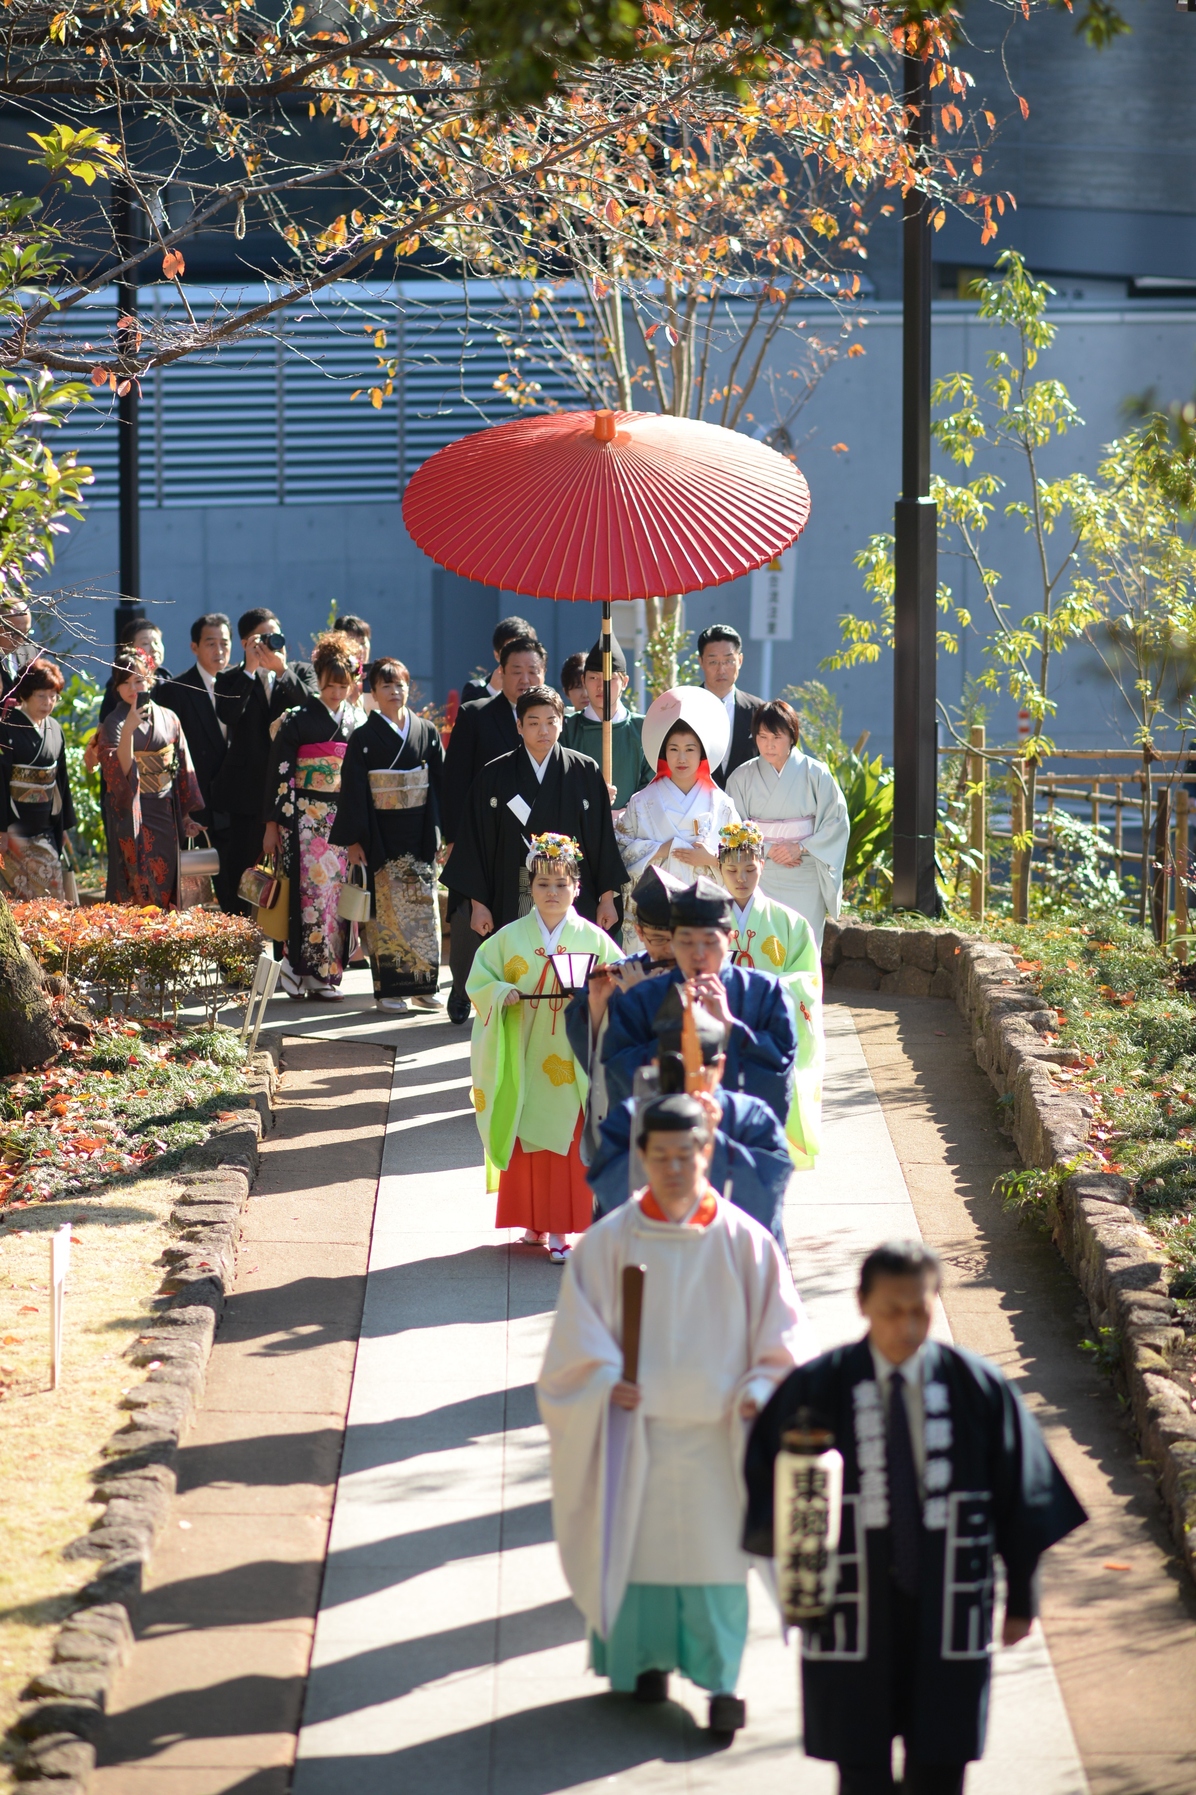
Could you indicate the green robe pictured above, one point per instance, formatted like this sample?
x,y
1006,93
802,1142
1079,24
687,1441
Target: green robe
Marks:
x,y
776,939
527,1086
629,771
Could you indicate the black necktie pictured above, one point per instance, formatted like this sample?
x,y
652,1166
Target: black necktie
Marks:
x,y
905,1518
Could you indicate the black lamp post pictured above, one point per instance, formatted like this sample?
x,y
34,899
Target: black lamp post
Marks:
x,y
125,232
915,734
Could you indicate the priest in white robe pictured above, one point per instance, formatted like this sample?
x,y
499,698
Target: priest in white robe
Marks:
x,y
648,1492
673,823
802,813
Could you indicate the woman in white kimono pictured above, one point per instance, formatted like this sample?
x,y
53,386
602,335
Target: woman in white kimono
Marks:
x,y
802,815
673,823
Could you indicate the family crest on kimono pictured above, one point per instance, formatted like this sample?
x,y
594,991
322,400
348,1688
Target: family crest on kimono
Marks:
x,y
528,1090
36,806
538,788
802,815
943,1469
771,938
752,1007
750,1165
152,793
647,1485
388,820
673,823
303,785
629,771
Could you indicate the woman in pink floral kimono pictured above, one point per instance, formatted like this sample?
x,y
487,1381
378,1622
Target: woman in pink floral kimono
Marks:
x,y
151,786
302,789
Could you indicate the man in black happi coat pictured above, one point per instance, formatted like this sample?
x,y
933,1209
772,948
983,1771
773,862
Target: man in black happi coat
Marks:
x,y
943,1468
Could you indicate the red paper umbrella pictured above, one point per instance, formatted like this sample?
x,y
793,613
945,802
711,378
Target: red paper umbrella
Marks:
x,y
605,505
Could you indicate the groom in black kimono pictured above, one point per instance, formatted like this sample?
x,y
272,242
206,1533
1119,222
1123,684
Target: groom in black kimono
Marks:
x,y
540,787
943,1468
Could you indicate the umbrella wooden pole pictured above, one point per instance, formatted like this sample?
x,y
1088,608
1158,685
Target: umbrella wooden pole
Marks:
x,y
606,677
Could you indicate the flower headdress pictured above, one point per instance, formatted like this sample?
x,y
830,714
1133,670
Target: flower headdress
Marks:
x,y
557,851
736,838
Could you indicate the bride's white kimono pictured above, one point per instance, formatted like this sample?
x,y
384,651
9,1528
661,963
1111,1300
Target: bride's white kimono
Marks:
x,y
654,1495
802,804
662,818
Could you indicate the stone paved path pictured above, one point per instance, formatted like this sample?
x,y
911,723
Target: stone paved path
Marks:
x,y
447,1654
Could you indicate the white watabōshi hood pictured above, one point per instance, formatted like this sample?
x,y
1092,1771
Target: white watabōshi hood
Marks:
x,y
705,714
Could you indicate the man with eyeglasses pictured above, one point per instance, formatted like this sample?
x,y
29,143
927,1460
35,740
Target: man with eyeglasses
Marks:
x,y
16,650
260,690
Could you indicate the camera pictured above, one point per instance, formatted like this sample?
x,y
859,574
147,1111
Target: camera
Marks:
x,y
275,641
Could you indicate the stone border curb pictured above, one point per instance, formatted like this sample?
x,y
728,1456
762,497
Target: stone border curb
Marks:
x,y
1115,1259
59,1727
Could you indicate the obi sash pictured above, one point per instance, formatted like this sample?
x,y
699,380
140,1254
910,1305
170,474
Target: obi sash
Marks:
x,y
792,828
156,769
406,790
318,767
36,786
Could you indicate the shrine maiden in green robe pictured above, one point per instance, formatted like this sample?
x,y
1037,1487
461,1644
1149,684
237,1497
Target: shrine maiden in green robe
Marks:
x,y
772,938
527,1086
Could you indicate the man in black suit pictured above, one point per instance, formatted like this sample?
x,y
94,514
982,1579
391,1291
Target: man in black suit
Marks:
x,y
201,710
259,690
475,690
483,730
720,653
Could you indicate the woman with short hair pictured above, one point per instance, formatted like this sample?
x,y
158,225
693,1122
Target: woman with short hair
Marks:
x,y
302,790
802,814
388,818
36,808
152,790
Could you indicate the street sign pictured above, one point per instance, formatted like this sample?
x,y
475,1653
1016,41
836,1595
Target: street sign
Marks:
x,y
772,599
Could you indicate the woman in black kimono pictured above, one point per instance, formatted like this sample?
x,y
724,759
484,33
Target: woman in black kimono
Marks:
x,y
302,793
943,1467
389,820
35,788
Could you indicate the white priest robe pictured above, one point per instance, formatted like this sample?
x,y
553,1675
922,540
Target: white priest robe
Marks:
x,y
661,818
656,1494
802,804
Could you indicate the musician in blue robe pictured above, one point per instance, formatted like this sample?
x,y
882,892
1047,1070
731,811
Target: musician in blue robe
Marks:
x,y
761,1038
751,1164
944,1468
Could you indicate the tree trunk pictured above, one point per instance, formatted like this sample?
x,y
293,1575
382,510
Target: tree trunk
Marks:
x,y
28,1037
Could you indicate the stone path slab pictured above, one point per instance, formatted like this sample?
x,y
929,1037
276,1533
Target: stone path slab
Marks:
x,y
447,1654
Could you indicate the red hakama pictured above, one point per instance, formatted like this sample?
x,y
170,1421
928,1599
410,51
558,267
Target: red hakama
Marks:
x,y
545,1192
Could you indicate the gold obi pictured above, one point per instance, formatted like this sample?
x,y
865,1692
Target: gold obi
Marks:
x,y
319,769
36,785
156,769
407,790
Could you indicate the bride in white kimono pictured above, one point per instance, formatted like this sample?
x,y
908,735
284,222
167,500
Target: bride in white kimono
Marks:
x,y
801,811
673,823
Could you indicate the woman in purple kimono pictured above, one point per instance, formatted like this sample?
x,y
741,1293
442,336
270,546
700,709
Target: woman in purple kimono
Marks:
x,y
302,789
151,786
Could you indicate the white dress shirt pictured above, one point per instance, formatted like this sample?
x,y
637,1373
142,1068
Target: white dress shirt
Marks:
x,y
910,1376
729,707
209,686
267,680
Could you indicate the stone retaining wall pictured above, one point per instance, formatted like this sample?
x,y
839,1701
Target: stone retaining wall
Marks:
x,y
58,1728
1117,1261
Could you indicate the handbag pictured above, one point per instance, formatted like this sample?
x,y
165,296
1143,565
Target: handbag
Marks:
x,y
274,920
354,903
202,863
259,885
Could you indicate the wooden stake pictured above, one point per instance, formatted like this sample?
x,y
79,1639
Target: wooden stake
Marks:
x,y
1180,873
978,830
633,1312
1018,826
606,704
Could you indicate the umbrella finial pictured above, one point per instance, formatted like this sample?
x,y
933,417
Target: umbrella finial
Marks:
x,y
604,426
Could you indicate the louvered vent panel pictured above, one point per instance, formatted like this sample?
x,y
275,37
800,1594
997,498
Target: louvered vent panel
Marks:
x,y
272,420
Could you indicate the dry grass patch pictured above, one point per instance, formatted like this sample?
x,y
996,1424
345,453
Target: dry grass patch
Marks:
x,y
50,1440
